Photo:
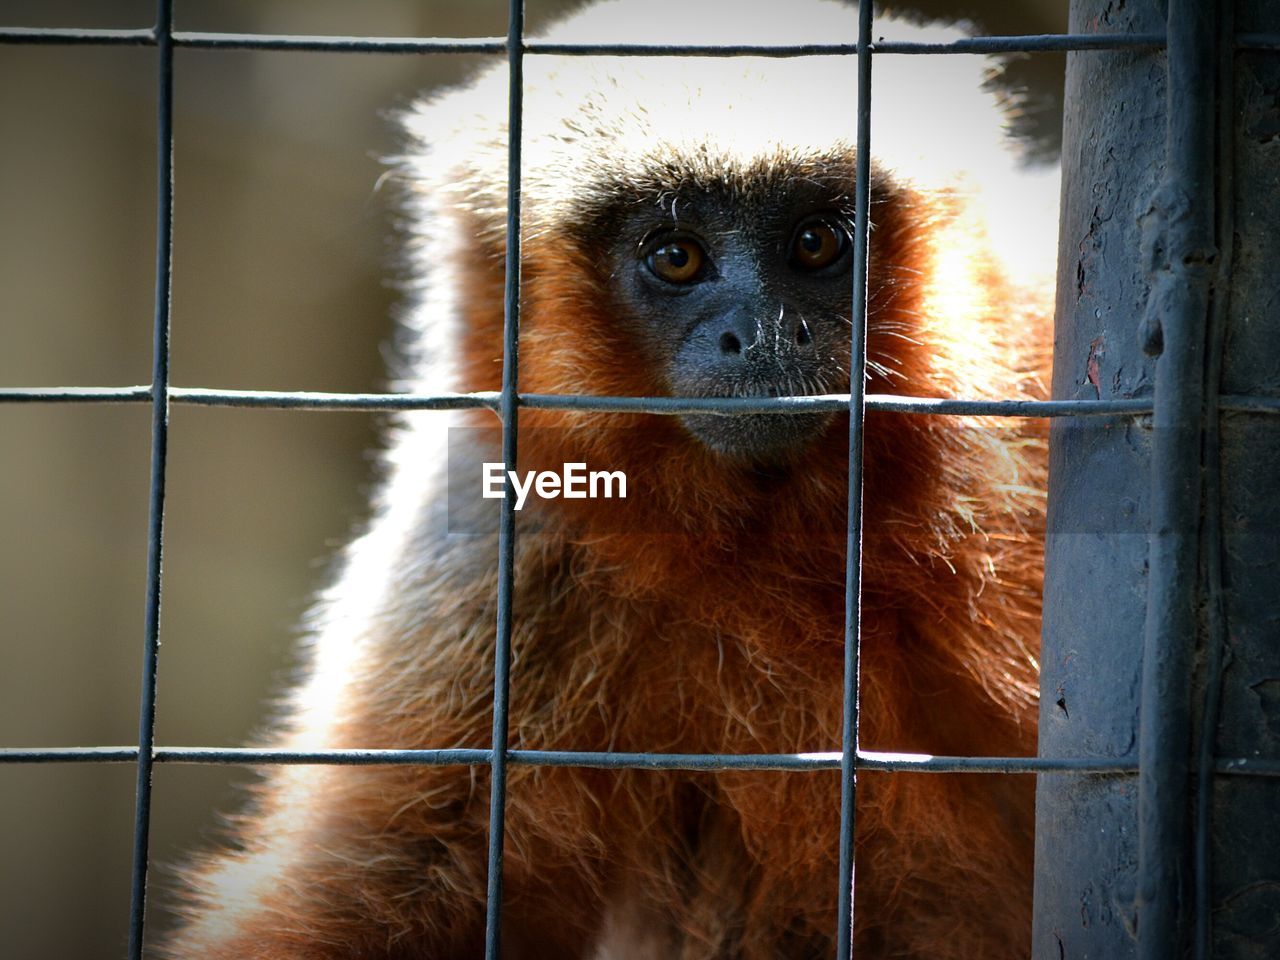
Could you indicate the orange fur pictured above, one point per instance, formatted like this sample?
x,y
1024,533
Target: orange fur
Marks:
x,y
702,614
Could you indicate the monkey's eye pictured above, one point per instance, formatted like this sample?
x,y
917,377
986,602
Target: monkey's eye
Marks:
x,y
677,261
818,244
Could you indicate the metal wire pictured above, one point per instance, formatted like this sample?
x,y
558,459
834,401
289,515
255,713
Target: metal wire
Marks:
x,y
496,45
206,40
606,760
509,406
853,540
1033,43
1212,545
159,454
1173,595
663,406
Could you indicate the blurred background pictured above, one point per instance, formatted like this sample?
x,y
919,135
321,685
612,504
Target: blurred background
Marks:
x,y
284,270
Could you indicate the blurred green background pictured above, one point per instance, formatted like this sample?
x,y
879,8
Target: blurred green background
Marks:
x,y
283,279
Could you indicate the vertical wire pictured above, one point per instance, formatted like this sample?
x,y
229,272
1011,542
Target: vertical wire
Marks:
x,y
506,523
159,454
853,562
1181,295
1212,544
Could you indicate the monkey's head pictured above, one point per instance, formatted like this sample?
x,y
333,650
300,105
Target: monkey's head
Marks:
x,y
687,222
727,281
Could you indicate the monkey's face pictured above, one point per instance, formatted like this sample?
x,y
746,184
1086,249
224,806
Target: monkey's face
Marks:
x,y
741,290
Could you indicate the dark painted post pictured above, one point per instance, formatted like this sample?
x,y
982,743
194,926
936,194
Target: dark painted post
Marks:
x,y
1162,594
1237,814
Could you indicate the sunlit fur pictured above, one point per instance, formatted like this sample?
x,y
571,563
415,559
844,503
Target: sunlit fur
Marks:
x,y
705,614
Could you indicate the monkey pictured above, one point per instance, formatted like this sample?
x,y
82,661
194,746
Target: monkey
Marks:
x,y
687,230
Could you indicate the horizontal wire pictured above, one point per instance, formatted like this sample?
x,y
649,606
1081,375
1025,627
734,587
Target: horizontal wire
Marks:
x,y
77,36
866,760
373,402
496,45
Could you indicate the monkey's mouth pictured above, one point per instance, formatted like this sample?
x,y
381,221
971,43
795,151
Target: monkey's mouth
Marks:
x,y
755,437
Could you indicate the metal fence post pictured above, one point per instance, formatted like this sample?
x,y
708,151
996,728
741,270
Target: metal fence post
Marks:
x,y
1156,609
1096,549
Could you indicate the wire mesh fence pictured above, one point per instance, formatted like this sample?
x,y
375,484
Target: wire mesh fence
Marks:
x,y
1153,761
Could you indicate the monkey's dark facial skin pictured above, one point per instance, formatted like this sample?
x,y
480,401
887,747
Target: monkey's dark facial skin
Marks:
x,y
735,299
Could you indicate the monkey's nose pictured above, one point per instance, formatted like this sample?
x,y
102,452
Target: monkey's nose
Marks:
x,y
779,335
736,334
729,343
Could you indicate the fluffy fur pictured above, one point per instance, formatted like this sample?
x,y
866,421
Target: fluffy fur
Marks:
x,y
704,613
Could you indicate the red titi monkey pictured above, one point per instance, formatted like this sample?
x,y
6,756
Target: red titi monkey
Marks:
x,y
687,229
